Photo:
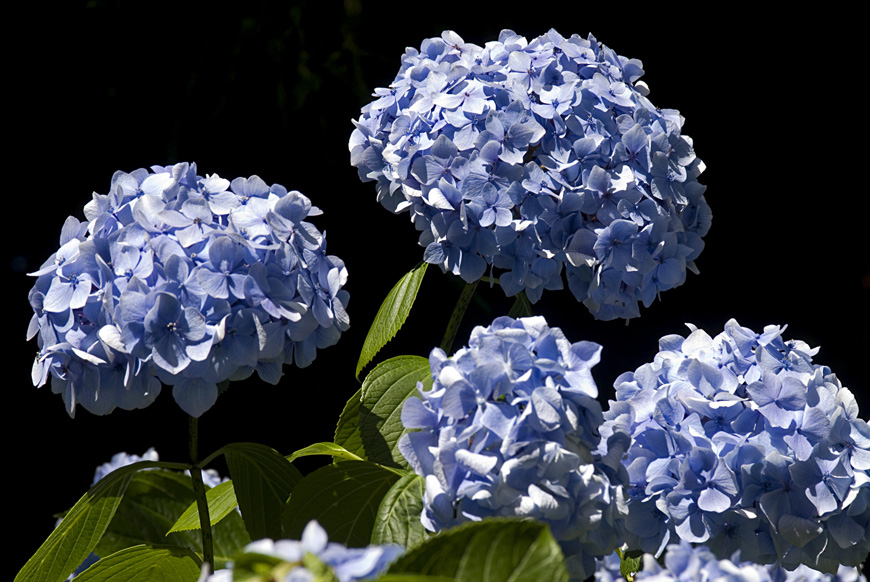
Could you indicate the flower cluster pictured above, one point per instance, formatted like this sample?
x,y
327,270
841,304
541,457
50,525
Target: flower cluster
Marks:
x,y
698,564
346,564
184,280
509,428
742,443
535,158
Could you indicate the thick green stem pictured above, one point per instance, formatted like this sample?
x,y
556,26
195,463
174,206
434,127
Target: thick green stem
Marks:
x,y
199,493
456,316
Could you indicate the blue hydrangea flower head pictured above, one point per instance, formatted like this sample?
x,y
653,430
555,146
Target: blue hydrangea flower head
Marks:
x,y
539,162
685,563
510,429
741,443
185,281
347,564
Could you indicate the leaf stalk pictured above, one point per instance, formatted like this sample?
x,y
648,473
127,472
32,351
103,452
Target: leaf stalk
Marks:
x,y
457,315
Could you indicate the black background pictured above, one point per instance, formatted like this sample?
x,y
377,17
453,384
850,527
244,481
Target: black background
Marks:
x,y
775,106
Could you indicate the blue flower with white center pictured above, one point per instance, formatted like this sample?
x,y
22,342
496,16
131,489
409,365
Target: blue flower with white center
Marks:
x,y
184,280
510,428
543,146
740,442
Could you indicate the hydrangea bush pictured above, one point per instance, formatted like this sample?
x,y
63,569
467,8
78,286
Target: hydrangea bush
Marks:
x,y
184,280
740,442
535,163
540,161
509,429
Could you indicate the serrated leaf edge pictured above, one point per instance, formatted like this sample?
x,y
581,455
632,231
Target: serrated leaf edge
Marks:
x,y
391,315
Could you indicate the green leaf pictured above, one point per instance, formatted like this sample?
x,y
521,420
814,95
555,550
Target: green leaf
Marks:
x,y
398,519
521,306
629,563
343,497
145,564
391,315
254,567
347,430
152,504
221,502
324,449
380,415
322,572
492,550
263,481
81,529
413,578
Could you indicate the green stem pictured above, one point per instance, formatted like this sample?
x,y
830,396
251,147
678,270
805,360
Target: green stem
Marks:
x,y
521,307
456,316
207,461
199,493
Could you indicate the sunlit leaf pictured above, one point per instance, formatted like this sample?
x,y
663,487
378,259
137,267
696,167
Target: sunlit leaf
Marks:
x,y
331,449
347,429
380,415
152,505
398,519
221,502
145,564
391,315
81,529
492,550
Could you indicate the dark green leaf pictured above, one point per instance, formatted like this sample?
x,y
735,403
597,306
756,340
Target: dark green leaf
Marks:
x,y
391,315
253,567
347,430
145,564
492,550
263,481
81,529
398,519
343,497
152,504
221,502
380,415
